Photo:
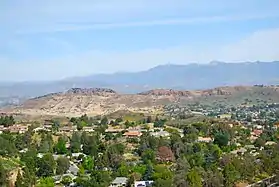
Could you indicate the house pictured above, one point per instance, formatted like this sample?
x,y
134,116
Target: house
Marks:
x,y
270,143
38,129
78,154
47,127
2,128
224,116
160,134
239,151
66,129
88,129
205,139
114,130
132,134
18,129
143,183
249,147
119,182
257,132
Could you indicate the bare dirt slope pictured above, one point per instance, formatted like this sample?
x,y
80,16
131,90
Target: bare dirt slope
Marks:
x,y
97,101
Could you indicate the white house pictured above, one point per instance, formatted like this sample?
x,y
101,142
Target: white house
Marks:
x,y
119,182
143,183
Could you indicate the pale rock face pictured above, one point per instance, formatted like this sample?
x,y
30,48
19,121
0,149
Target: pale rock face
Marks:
x,y
98,101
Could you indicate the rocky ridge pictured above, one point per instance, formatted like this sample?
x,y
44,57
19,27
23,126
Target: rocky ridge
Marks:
x,y
98,101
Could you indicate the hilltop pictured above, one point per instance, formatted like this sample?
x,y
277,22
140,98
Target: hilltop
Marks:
x,y
171,76
99,101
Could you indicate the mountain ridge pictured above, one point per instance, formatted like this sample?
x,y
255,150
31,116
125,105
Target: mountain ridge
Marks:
x,y
169,76
99,101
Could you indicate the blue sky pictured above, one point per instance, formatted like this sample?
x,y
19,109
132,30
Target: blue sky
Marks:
x,y
48,40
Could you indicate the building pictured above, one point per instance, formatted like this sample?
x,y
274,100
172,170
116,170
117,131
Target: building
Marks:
x,y
132,134
114,130
143,183
257,132
2,128
66,129
18,129
205,139
119,182
160,134
88,129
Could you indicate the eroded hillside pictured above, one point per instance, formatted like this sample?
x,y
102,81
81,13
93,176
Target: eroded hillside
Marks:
x,y
96,101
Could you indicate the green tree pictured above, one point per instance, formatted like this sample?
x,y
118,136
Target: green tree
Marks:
x,y
213,179
46,182
118,120
230,175
163,183
221,139
75,143
123,170
80,125
7,147
162,172
148,155
19,180
62,166
47,165
88,163
60,147
148,119
66,180
29,177
90,146
149,172
194,178
104,121
29,159
3,175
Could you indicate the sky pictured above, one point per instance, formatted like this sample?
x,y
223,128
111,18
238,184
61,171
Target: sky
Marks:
x,y
55,39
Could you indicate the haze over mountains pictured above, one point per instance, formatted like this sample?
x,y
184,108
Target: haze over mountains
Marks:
x,y
182,77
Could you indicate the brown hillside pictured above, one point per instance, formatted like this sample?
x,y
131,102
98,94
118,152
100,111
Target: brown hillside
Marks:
x,y
98,101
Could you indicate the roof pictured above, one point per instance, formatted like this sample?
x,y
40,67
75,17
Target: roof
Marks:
x,y
204,139
143,183
114,130
120,180
257,132
270,143
133,133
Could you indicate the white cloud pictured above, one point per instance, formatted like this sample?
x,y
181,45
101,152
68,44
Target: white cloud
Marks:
x,y
262,45
176,21
63,15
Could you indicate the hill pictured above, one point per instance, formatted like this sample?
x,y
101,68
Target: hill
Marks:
x,y
178,77
98,101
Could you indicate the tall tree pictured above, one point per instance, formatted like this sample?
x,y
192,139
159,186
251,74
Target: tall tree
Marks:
x,y
62,166
60,147
46,166
46,182
75,143
149,172
3,175
230,175
194,178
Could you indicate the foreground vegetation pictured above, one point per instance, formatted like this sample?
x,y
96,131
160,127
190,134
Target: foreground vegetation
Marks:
x,y
203,152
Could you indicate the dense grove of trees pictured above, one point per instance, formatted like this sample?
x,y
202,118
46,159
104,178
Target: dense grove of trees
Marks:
x,y
177,161
7,121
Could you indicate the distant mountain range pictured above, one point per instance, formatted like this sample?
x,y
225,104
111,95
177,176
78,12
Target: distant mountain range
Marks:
x,y
182,77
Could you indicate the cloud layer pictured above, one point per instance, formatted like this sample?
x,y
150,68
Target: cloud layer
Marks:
x,y
37,37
